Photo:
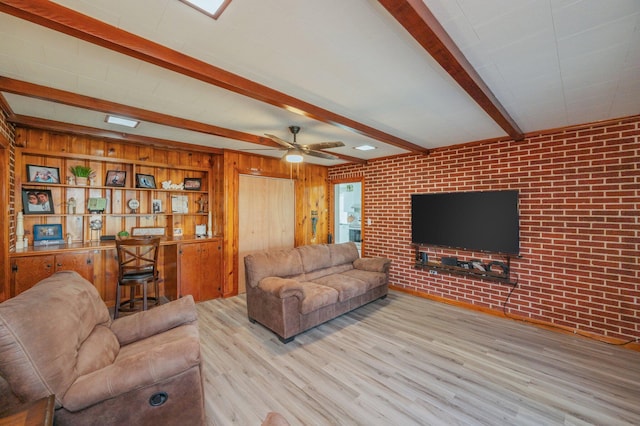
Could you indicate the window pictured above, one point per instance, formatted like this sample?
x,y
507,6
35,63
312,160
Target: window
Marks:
x,y
213,8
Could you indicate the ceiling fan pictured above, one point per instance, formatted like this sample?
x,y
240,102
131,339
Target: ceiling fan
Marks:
x,y
296,152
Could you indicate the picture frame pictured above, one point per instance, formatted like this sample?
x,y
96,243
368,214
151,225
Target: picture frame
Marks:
x,y
117,178
148,230
43,174
145,181
49,232
192,184
37,201
179,204
156,206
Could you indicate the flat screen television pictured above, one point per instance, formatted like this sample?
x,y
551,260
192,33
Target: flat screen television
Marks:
x,y
477,221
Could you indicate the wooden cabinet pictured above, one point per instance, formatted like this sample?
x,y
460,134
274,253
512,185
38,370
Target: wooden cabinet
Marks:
x,y
28,271
200,269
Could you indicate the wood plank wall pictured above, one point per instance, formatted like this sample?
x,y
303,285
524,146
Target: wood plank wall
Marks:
x,y
311,184
311,187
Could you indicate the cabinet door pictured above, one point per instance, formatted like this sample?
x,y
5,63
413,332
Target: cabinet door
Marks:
x,y
81,262
28,271
211,259
190,270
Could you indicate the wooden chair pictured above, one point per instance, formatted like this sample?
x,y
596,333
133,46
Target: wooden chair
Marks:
x,y
138,266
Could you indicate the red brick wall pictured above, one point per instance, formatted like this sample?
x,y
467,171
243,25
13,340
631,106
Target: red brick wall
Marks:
x,y
579,223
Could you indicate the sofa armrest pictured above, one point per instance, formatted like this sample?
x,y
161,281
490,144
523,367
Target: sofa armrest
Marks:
x,y
373,264
138,326
281,287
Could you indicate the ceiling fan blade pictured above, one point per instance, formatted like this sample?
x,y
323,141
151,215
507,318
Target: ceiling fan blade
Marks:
x,y
320,154
279,141
323,145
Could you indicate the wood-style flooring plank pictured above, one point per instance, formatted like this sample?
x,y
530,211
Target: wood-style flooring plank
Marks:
x,y
406,360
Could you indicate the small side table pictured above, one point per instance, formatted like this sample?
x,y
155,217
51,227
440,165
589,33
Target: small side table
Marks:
x,y
35,413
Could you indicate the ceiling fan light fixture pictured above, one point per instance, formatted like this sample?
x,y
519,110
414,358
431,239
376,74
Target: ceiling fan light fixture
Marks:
x,y
294,156
365,147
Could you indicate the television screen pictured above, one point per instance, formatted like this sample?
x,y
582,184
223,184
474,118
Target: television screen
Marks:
x,y
477,221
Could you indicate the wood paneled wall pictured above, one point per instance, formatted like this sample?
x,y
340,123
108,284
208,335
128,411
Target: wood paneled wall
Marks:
x,y
311,185
6,204
312,190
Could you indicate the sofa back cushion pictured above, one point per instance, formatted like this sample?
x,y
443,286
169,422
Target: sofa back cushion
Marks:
x,y
273,263
42,331
345,253
315,257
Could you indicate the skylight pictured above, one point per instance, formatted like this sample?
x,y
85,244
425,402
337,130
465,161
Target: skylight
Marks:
x,y
213,8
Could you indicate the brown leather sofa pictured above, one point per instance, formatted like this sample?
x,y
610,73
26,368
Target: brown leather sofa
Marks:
x,y
58,338
290,291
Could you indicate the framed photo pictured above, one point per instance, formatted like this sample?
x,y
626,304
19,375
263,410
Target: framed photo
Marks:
x,y
145,181
37,201
43,174
115,178
148,230
179,204
47,232
156,206
192,184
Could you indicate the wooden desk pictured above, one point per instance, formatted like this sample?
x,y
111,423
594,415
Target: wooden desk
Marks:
x,y
36,413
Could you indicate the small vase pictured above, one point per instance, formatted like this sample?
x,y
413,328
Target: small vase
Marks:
x,y
81,181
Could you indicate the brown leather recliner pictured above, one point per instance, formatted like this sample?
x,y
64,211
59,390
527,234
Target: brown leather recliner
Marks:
x,y
58,338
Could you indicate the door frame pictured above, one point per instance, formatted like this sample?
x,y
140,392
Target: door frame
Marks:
x,y
332,208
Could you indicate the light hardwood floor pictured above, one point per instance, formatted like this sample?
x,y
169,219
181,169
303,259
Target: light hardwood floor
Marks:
x,y
407,360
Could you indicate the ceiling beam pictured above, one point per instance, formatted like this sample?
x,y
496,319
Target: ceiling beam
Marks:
x,y
75,129
56,17
418,20
94,104
49,94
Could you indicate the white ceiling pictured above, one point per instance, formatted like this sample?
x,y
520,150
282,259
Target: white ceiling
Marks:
x,y
550,63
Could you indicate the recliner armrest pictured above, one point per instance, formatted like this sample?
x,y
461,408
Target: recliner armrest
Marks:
x,y
138,326
373,264
281,287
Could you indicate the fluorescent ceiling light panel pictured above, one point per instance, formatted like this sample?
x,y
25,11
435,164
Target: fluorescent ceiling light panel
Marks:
x,y
121,121
365,147
212,8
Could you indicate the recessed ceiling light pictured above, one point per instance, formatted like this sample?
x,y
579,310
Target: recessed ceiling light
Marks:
x,y
213,8
365,147
121,121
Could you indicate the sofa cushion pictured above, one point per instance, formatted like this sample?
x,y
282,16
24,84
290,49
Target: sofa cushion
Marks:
x,y
319,273
314,257
317,296
346,286
276,263
343,253
53,319
372,279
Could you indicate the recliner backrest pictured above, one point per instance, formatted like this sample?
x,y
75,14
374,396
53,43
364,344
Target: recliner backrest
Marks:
x,y
52,333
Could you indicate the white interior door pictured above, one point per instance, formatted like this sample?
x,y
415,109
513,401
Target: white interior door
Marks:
x,y
266,217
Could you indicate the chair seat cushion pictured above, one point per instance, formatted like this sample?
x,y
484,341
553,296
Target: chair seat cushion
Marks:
x,y
139,364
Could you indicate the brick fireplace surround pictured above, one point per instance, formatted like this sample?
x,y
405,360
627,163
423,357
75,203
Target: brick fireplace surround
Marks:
x,y
579,189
